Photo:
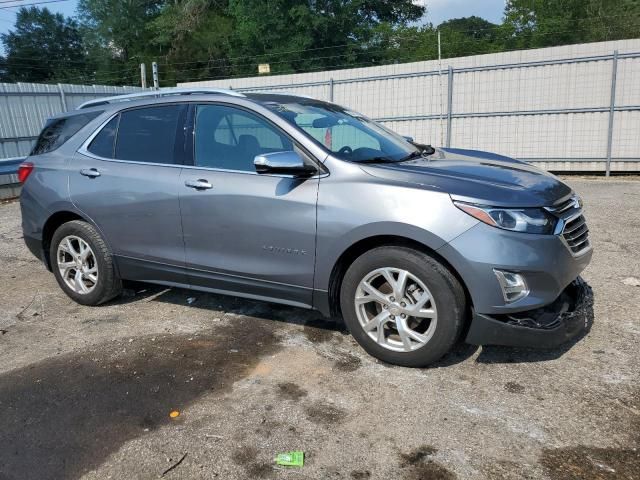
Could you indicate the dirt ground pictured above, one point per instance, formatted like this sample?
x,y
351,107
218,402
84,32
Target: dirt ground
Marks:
x,y
86,392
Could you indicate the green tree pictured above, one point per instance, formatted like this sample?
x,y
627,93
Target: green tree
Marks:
x,y
470,36
43,47
543,23
116,36
299,35
194,36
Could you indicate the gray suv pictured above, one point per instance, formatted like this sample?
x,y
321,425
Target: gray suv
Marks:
x,y
293,200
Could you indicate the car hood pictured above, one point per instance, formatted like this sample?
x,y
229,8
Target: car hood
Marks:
x,y
478,177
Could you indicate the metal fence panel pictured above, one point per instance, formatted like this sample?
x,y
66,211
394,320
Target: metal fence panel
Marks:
x,y
551,106
24,107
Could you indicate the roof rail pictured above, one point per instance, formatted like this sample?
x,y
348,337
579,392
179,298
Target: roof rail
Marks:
x,y
165,92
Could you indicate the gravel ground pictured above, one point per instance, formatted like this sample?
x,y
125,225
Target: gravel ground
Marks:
x,y
86,392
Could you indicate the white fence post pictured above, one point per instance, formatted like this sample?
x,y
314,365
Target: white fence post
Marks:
x,y
154,69
63,98
612,109
143,75
449,105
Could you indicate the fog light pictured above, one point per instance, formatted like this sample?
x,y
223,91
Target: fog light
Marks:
x,y
513,285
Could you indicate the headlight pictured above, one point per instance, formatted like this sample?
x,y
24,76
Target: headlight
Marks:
x,y
527,220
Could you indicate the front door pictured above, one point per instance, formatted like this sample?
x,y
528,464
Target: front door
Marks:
x,y
127,180
246,233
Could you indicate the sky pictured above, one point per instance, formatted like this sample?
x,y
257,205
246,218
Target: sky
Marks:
x,y
440,10
437,10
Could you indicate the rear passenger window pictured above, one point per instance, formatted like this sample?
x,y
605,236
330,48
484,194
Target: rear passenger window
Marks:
x,y
103,144
58,130
149,134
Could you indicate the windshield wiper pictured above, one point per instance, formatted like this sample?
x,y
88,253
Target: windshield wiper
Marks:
x,y
412,156
423,152
377,160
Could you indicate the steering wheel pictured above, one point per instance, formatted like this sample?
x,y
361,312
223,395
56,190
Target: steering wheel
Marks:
x,y
346,150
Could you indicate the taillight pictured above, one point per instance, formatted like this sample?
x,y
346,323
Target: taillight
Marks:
x,y
24,170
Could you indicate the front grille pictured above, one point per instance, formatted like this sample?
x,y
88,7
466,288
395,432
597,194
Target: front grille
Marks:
x,y
576,234
573,225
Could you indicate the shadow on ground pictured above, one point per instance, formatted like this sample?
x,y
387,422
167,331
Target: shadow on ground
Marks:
x,y
64,416
318,329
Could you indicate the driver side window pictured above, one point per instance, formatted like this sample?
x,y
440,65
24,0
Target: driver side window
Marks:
x,y
229,138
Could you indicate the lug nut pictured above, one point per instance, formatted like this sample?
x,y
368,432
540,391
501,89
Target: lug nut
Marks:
x,y
392,299
392,317
402,315
385,307
402,304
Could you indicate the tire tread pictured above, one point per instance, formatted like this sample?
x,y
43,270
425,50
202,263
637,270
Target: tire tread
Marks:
x,y
455,318
111,281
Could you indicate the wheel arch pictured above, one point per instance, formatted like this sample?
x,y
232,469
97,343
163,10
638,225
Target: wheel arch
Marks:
x,y
363,245
52,223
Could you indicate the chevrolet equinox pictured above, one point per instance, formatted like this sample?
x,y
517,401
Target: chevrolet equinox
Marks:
x,y
293,200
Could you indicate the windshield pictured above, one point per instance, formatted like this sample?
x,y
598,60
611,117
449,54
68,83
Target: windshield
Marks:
x,y
347,135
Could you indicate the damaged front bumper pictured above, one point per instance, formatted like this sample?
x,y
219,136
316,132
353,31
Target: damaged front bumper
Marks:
x,y
567,318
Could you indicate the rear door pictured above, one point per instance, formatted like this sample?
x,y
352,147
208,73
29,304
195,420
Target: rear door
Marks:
x,y
244,232
127,180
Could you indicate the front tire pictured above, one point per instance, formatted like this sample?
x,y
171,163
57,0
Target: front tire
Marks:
x,y
402,306
83,265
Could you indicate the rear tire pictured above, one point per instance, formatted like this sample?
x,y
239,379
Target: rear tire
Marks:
x,y
417,328
83,264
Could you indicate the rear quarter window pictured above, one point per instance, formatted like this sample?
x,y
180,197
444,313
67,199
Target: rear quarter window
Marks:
x,y
103,144
58,130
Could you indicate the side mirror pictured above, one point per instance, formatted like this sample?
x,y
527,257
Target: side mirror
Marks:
x,y
286,163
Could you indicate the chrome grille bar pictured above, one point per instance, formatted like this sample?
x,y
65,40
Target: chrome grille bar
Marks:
x,y
572,225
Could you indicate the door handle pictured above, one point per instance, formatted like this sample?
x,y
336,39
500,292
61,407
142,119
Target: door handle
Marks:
x,y
90,172
200,184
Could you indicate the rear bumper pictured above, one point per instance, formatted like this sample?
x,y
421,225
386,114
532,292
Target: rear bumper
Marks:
x,y
567,318
35,246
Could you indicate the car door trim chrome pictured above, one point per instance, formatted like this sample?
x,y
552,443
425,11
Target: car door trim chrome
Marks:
x,y
200,184
90,172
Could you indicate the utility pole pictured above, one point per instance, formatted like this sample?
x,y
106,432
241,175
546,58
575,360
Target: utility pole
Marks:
x,y
143,75
154,68
440,90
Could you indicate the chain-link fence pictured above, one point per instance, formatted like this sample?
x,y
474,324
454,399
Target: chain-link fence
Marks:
x,y
570,108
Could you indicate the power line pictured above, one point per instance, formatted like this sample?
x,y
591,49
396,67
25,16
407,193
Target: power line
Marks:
x,y
129,71
30,4
395,36
230,64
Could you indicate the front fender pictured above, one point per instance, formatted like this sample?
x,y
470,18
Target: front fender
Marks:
x,y
427,217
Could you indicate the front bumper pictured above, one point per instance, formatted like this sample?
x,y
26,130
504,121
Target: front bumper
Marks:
x,y
545,262
567,318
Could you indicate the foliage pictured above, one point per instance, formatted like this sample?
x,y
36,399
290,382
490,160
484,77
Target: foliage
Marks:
x,y
42,47
116,37
204,39
545,23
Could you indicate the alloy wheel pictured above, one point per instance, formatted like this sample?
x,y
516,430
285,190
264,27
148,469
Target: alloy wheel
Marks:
x,y
396,309
77,264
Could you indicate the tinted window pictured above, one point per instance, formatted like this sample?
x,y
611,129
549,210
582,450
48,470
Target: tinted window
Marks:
x,y
230,138
58,130
104,143
149,134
